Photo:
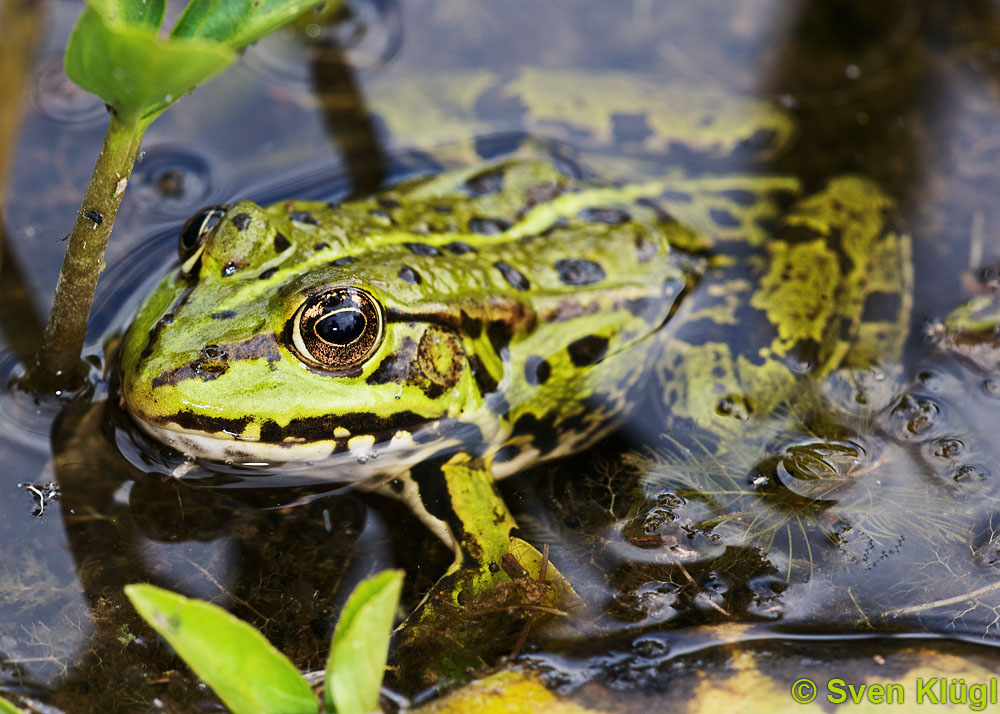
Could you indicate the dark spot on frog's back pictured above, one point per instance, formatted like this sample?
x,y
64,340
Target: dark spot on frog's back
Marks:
x,y
488,226
267,274
409,275
281,243
611,216
630,128
536,370
513,276
223,315
724,218
459,248
588,350
579,271
241,221
341,262
422,249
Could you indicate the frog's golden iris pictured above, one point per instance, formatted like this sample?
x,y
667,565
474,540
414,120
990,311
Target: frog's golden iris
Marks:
x,y
337,329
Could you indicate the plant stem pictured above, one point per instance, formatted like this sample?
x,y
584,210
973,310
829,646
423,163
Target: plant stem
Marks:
x,y
57,363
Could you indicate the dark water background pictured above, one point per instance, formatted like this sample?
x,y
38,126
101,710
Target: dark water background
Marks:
x,y
908,93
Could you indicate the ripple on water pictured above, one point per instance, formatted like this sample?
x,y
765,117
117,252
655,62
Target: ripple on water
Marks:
x,y
25,419
62,101
367,35
174,181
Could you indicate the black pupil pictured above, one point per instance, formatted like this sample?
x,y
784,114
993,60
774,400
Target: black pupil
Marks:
x,y
341,327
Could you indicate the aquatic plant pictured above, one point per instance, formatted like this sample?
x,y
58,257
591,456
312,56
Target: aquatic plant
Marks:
x,y
116,52
250,675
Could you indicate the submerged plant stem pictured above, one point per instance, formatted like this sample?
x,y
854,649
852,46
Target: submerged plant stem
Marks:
x,y
58,358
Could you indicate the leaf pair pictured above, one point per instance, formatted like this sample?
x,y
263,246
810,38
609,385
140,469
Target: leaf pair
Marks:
x,y
116,52
252,677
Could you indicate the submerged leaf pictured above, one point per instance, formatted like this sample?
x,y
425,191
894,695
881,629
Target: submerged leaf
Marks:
x,y
356,664
237,662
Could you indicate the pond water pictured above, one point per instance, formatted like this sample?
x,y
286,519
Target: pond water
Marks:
x,y
878,535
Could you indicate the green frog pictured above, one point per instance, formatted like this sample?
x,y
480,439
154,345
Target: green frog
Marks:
x,y
458,328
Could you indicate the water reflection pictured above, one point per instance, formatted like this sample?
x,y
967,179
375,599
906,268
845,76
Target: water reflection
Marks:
x,y
348,122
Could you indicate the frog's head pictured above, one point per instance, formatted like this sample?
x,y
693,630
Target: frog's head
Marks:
x,y
301,330
269,344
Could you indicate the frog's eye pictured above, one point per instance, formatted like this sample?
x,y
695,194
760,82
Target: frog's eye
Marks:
x,y
196,230
337,329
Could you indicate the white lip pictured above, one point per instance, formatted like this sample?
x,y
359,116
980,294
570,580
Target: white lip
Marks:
x,y
364,461
207,446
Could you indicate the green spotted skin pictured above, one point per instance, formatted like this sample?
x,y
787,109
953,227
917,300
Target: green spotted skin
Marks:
x,y
517,301
515,311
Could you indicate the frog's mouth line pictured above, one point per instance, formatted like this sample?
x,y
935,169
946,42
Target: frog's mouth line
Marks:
x,y
404,435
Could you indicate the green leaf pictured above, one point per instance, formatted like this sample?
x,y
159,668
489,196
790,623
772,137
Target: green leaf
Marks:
x,y
356,664
237,23
236,661
8,708
144,13
135,73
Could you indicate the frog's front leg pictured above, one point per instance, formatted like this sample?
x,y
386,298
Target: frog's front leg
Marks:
x,y
456,498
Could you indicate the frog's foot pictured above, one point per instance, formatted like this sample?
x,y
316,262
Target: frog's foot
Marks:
x,y
472,615
476,610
